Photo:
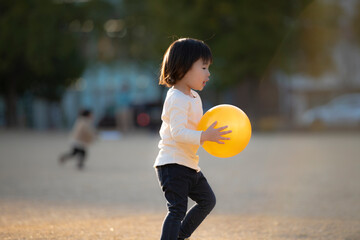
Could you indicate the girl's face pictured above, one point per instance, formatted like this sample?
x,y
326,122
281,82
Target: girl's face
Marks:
x,y
198,75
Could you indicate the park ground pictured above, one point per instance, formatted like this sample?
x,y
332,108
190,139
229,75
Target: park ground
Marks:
x,y
282,186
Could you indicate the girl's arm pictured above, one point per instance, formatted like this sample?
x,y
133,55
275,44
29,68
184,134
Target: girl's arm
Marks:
x,y
178,118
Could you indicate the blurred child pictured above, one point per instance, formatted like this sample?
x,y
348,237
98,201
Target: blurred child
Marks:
x,y
83,135
185,68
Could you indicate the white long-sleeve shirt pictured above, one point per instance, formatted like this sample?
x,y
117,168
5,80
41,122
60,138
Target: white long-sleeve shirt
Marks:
x,y
179,138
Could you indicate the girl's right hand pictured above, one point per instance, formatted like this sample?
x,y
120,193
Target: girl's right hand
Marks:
x,y
214,134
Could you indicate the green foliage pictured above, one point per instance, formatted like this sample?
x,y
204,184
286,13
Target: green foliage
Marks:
x,y
308,48
356,22
243,34
43,46
38,48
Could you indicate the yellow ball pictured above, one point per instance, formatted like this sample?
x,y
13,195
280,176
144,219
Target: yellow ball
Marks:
x,y
236,120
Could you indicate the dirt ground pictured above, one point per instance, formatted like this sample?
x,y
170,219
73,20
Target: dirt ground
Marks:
x,y
282,186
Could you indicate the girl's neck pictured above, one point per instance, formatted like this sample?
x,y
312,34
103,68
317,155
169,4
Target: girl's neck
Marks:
x,y
184,89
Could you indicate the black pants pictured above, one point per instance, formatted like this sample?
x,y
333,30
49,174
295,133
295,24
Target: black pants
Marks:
x,y
178,183
79,153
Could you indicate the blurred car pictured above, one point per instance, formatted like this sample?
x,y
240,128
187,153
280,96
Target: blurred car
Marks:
x,y
148,115
342,111
107,121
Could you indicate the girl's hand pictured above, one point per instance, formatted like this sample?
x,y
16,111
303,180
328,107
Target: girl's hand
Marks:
x,y
214,134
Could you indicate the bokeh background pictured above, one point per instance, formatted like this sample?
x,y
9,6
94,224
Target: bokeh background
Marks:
x,y
288,64
292,65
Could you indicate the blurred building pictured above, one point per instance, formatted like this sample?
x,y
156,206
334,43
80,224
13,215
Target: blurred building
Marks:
x,y
116,92
301,91
111,91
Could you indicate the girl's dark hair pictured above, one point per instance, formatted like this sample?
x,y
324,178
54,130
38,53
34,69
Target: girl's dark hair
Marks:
x,y
179,58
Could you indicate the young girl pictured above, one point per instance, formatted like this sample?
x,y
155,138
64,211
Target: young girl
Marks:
x,y
185,68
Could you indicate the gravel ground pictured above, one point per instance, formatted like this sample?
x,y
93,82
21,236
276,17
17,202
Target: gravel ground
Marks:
x,y
282,186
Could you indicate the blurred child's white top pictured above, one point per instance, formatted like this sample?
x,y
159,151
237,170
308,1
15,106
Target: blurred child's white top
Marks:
x,y
83,133
179,138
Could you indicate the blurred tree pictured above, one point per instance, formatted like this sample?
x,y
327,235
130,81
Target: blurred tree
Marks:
x,y
308,49
243,34
356,22
41,46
